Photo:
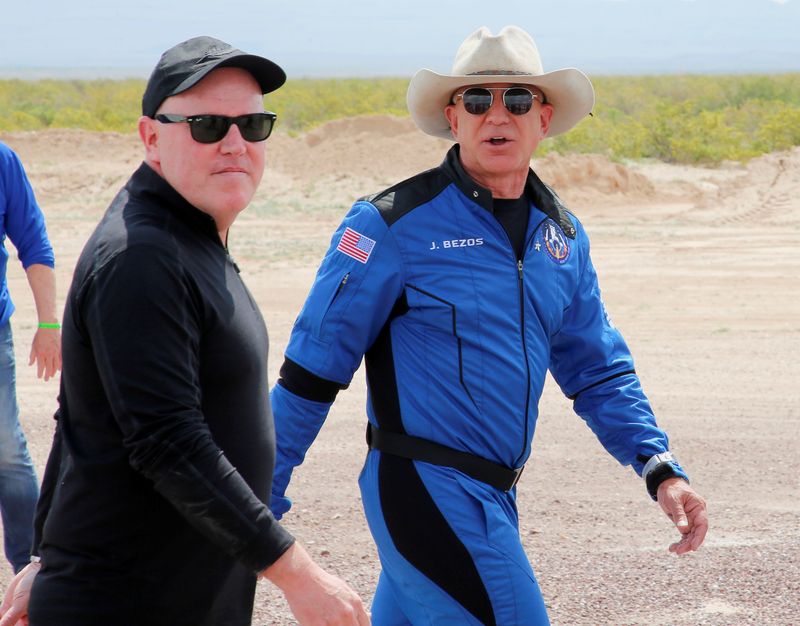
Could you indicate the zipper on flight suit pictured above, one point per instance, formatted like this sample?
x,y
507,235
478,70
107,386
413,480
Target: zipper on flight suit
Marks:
x,y
331,302
342,283
521,285
521,293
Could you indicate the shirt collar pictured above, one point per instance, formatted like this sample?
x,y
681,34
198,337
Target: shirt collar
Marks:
x,y
542,196
151,186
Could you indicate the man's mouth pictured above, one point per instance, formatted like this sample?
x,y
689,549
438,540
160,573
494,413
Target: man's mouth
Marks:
x,y
497,141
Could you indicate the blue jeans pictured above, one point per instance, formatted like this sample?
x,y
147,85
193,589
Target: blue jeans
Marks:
x,y
19,487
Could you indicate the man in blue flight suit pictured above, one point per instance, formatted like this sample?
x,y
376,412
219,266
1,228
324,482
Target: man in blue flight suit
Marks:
x,y
461,287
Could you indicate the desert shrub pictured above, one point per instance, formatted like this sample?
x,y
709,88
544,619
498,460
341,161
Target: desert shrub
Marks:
x,y
685,118
20,120
303,104
778,130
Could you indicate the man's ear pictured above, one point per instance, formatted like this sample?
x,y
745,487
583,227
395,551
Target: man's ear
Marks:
x,y
545,115
148,133
452,117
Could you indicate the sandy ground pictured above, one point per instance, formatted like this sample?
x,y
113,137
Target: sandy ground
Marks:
x,y
700,268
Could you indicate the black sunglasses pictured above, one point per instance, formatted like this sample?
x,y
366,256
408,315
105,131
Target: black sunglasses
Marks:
x,y
478,100
212,128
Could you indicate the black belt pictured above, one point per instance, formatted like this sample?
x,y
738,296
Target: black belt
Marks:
x,y
417,449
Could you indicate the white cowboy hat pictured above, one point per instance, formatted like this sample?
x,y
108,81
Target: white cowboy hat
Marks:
x,y
509,57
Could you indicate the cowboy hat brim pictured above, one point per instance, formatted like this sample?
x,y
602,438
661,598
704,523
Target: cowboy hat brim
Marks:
x,y
569,91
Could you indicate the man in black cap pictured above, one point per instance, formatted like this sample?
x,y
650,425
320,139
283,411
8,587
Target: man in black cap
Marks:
x,y
154,502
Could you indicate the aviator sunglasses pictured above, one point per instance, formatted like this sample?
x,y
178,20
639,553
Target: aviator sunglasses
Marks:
x,y
212,128
478,100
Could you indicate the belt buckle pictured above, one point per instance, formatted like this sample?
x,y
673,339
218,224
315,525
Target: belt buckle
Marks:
x,y
517,474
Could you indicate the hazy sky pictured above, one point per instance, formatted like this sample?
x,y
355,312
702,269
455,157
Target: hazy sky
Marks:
x,y
371,37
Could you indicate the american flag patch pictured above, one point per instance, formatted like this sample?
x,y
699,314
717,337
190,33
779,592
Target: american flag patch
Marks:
x,y
356,245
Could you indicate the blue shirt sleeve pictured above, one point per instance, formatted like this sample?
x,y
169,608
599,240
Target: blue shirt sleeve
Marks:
x,y
23,220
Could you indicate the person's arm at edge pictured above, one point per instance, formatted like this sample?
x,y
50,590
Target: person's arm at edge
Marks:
x,y
46,345
25,226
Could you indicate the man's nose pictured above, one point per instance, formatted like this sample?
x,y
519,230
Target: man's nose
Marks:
x,y
233,142
497,113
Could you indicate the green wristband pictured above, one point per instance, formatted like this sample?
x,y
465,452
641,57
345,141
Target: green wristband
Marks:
x,y
49,325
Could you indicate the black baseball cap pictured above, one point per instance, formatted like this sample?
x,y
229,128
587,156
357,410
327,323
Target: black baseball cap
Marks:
x,y
187,63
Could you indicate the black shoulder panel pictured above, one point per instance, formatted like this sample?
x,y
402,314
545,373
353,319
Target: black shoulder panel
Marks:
x,y
548,201
402,198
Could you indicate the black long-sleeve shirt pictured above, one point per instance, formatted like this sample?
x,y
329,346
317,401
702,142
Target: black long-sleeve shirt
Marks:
x,y
155,497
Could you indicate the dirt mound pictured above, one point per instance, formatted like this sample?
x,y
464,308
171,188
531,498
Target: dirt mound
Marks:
x,y
383,149
591,173
76,167
765,192
339,161
378,148
378,125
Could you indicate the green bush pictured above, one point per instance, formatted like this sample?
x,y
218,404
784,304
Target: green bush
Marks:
x,y
684,119
20,120
303,104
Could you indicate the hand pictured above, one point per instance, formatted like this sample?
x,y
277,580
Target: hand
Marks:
x,y
315,597
46,352
687,510
14,610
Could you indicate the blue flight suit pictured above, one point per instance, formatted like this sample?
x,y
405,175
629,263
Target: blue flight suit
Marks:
x,y
458,335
